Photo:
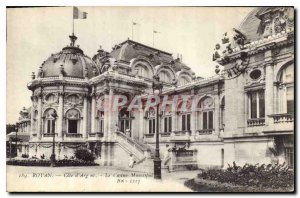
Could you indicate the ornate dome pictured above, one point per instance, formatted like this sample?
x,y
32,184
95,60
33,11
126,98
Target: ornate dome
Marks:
x,y
71,61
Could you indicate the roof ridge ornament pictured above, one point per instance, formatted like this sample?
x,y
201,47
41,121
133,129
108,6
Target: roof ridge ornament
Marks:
x,y
73,39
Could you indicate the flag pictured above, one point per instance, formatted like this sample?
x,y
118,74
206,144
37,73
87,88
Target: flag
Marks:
x,y
77,14
155,32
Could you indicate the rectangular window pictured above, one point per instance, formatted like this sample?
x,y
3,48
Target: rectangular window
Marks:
x,y
261,96
208,117
72,126
167,124
48,126
257,104
170,124
188,122
210,120
101,127
183,122
204,120
289,156
253,104
290,99
53,126
151,126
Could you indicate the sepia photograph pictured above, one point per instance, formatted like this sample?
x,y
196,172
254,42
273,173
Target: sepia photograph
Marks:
x,y
150,99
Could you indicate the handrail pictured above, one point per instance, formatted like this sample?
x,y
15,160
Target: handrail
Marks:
x,y
282,117
131,142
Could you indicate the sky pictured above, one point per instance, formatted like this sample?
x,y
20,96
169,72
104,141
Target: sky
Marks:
x,y
33,34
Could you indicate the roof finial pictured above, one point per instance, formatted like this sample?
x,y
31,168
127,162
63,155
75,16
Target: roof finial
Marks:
x,y
73,38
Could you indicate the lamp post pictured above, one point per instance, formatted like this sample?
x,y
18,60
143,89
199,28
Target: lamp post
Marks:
x,y
157,89
52,157
17,126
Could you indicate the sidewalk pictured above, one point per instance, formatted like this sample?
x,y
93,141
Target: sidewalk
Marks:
x,y
93,179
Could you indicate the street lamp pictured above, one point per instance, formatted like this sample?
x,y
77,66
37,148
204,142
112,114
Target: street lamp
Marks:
x,y
52,157
157,89
17,126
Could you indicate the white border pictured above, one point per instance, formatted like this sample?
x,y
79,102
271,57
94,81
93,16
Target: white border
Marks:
x,y
5,3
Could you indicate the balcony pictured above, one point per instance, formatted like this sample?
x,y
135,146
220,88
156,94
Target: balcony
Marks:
x,y
281,123
206,135
205,132
149,135
165,134
97,134
45,135
73,135
180,135
256,122
282,118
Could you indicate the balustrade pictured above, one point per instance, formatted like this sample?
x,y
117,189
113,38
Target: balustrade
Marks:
x,y
256,122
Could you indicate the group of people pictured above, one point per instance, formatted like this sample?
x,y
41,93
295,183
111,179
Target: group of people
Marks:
x,y
166,160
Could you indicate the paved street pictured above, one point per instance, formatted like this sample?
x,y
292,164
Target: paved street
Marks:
x,y
92,179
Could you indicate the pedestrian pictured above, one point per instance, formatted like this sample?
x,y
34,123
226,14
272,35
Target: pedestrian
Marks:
x,y
131,161
167,157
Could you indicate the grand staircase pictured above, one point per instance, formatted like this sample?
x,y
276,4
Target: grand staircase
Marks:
x,y
142,152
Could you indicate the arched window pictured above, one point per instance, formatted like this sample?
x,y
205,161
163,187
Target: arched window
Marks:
x,y
184,118
142,71
101,121
164,76
167,119
73,121
286,90
50,126
150,115
206,114
124,120
183,80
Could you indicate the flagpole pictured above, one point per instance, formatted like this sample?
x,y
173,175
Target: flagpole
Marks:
x,y
153,38
73,20
131,29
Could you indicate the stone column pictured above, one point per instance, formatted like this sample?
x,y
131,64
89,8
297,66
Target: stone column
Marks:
x,y
216,120
85,119
40,113
112,117
60,114
106,115
93,113
269,91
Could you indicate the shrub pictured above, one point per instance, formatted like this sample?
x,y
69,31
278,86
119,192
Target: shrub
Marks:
x,y
25,156
269,176
59,163
85,155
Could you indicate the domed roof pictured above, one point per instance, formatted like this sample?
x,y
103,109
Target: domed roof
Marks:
x,y
250,25
129,50
253,26
75,64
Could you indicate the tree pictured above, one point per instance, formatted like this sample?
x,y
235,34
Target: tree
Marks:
x,y
10,128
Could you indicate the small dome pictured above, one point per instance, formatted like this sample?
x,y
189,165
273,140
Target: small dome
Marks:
x,y
75,64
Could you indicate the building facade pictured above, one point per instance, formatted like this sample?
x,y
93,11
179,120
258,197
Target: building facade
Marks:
x,y
245,113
